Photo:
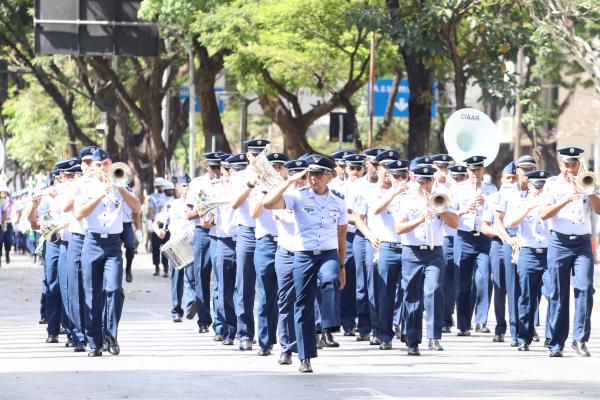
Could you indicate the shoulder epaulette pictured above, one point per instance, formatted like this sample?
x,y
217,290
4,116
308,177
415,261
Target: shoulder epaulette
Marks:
x,y
338,194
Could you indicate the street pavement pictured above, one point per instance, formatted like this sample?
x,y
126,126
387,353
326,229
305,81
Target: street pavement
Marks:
x,y
160,359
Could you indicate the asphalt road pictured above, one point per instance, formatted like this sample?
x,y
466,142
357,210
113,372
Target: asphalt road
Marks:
x,y
160,359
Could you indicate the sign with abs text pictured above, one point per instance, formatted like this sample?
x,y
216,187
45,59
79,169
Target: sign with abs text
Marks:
x,y
381,93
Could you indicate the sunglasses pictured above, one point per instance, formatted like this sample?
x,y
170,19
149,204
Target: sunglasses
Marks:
x,y
355,168
399,174
214,166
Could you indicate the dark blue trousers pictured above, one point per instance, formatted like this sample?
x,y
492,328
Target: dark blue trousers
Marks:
x,y
63,273
499,285
102,264
7,238
363,315
177,277
215,283
225,269
245,281
128,239
286,297
266,278
530,267
422,272
450,285
53,299
76,293
348,293
189,288
511,282
157,257
570,263
202,271
372,289
389,271
471,254
307,269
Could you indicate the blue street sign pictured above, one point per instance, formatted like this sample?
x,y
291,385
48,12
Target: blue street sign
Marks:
x,y
381,93
184,93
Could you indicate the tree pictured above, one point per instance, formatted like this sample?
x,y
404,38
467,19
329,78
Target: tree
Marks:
x,y
278,47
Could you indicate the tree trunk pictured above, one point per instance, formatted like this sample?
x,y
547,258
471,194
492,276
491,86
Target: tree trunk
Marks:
x,y
209,113
420,84
391,104
358,146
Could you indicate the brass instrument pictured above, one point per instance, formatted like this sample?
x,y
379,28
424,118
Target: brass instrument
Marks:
x,y
204,204
51,228
267,177
587,182
437,203
120,174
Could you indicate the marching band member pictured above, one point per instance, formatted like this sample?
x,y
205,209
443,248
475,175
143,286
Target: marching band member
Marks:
x,y
341,171
321,220
284,261
375,219
156,202
456,174
365,290
497,253
472,248
532,262
100,206
7,226
129,236
242,182
421,233
508,202
568,212
264,260
204,247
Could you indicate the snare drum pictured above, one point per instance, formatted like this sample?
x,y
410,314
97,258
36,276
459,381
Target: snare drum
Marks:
x,y
179,249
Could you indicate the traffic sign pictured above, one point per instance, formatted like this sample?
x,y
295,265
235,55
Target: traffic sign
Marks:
x,y
381,93
184,93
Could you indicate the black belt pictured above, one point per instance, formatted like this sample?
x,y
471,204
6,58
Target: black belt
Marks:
x,y
423,247
202,228
270,237
537,250
392,245
79,235
317,252
245,228
104,235
571,237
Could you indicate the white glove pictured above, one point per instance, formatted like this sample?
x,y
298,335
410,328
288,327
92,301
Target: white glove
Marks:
x,y
149,225
138,235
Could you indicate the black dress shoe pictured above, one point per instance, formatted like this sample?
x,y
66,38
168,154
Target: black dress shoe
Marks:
x,y
52,339
385,345
362,338
555,353
192,311
397,332
69,343
245,345
463,333
113,346
546,342
203,329
218,337
105,343
305,366
227,342
523,347
265,351
536,337
446,329
80,348
156,271
413,351
7,258
285,358
374,341
349,332
319,342
403,338
498,338
434,344
177,319
513,343
329,341
95,353
484,329
128,278
62,331
42,321
580,348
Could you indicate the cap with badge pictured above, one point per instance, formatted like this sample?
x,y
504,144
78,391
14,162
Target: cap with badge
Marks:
x,y
424,161
237,161
387,156
458,170
475,162
257,145
525,161
538,178
372,153
64,165
398,167
277,158
75,169
317,163
100,155
213,158
510,169
340,156
296,165
570,154
159,182
355,159
424,173
442,160
184,179
86,152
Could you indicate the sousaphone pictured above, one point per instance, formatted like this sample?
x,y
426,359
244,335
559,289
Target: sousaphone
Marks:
x,y
469,132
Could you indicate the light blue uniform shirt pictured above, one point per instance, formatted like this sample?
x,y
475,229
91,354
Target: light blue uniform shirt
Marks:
x,y
382,225
317,218
413,205
174,215
464,194
533,231
285,223
265,223
156,202
107,217
239,180
572,219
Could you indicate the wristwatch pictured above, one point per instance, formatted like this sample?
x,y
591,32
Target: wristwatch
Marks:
x,y
251,186
341,266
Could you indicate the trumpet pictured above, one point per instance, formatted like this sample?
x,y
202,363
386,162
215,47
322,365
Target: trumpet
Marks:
x,y
437,203
120,174
587,182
